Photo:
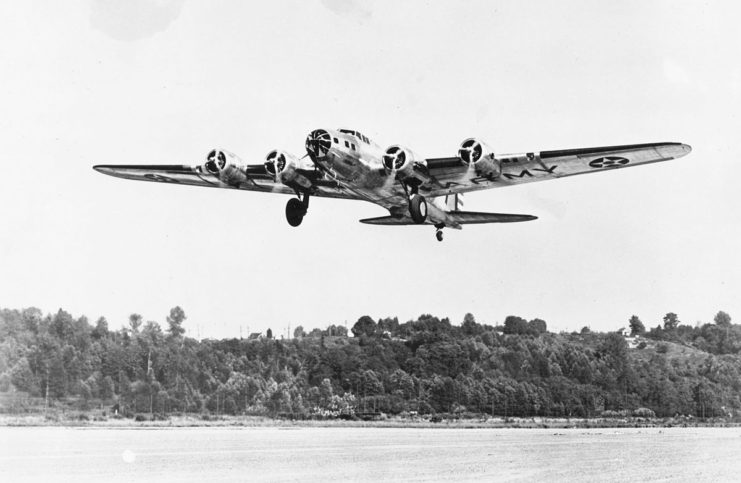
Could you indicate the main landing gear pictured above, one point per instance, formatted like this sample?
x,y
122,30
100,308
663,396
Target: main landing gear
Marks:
x,y
417,204
296,209
418,209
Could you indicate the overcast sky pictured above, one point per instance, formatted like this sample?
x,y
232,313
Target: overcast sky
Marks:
x,y
141,81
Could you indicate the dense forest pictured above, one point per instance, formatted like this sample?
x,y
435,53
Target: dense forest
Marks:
x,y
423,366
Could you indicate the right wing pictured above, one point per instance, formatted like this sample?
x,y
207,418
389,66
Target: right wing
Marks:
x,y
452,175
257,178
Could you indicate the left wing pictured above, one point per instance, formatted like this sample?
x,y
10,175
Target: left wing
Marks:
x,y
452,175
256,178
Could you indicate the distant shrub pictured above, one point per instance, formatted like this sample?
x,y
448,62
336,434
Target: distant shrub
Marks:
x,y
642,345
614,414
644,413
662,348
141,417
82,417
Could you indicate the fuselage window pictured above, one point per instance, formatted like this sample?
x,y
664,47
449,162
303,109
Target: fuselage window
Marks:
x,y
336,141
347,145
353,147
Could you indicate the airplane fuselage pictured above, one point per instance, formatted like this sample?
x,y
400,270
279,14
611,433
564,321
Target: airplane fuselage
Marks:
x,y
355,162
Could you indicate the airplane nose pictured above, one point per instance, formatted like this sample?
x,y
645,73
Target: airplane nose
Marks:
x,y
318,143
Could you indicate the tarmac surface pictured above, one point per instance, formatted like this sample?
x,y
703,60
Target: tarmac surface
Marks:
x,y
368,454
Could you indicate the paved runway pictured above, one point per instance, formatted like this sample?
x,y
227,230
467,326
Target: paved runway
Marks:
x,y
368,454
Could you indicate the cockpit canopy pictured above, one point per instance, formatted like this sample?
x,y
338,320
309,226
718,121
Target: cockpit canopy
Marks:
x,y
357,134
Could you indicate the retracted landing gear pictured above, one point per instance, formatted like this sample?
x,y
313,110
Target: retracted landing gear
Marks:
x,y
439,232
296,209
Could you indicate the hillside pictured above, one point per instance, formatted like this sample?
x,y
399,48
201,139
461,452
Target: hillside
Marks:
x,y
424,366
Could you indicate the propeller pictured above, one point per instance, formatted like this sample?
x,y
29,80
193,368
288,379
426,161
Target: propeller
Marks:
x,y
470,151
215,161
275,163
394,158
318,143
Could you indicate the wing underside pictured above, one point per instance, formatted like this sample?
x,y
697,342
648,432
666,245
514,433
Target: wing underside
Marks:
x,y
256,179
452,175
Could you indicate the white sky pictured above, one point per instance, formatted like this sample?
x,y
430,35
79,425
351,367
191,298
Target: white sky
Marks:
x,y
141,81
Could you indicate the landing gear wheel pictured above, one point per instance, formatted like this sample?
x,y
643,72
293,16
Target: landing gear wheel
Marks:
x,y
418,209
295,211
439,235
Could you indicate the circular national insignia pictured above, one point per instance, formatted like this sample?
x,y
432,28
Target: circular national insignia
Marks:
x,y
609,162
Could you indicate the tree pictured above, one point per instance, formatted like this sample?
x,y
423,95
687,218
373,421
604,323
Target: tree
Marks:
x,y
175,321
364,326
101,329
636,326
299,332
515,325
269,333
469,325
135,321
722,319
671,321
537,326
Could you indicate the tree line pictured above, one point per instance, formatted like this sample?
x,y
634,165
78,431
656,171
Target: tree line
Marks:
x,y
422,366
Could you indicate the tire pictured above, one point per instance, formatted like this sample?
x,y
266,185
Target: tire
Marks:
x,y
295,212
439,235
418,209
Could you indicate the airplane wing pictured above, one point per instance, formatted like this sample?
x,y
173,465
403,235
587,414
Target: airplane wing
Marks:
x,y
256,178
452,175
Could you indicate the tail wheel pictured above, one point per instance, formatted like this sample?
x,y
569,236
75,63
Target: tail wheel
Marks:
x,y
418,209
439,235
295,212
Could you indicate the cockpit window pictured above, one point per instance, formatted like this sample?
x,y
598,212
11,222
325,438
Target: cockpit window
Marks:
x,y
357,134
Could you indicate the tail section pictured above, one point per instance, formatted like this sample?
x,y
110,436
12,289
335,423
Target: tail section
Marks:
x,y
455,218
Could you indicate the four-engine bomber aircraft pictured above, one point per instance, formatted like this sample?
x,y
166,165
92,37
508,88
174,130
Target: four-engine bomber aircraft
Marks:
x,y
346,164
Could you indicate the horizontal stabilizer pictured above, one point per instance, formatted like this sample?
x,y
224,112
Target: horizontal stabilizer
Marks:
x,y
457,217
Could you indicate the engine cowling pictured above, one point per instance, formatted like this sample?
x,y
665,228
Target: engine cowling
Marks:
x,y
226,166
284,167
404,164
479,155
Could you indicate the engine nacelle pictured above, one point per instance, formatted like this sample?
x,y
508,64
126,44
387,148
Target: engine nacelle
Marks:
x,y
284,167
405,165
226,166
479,155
